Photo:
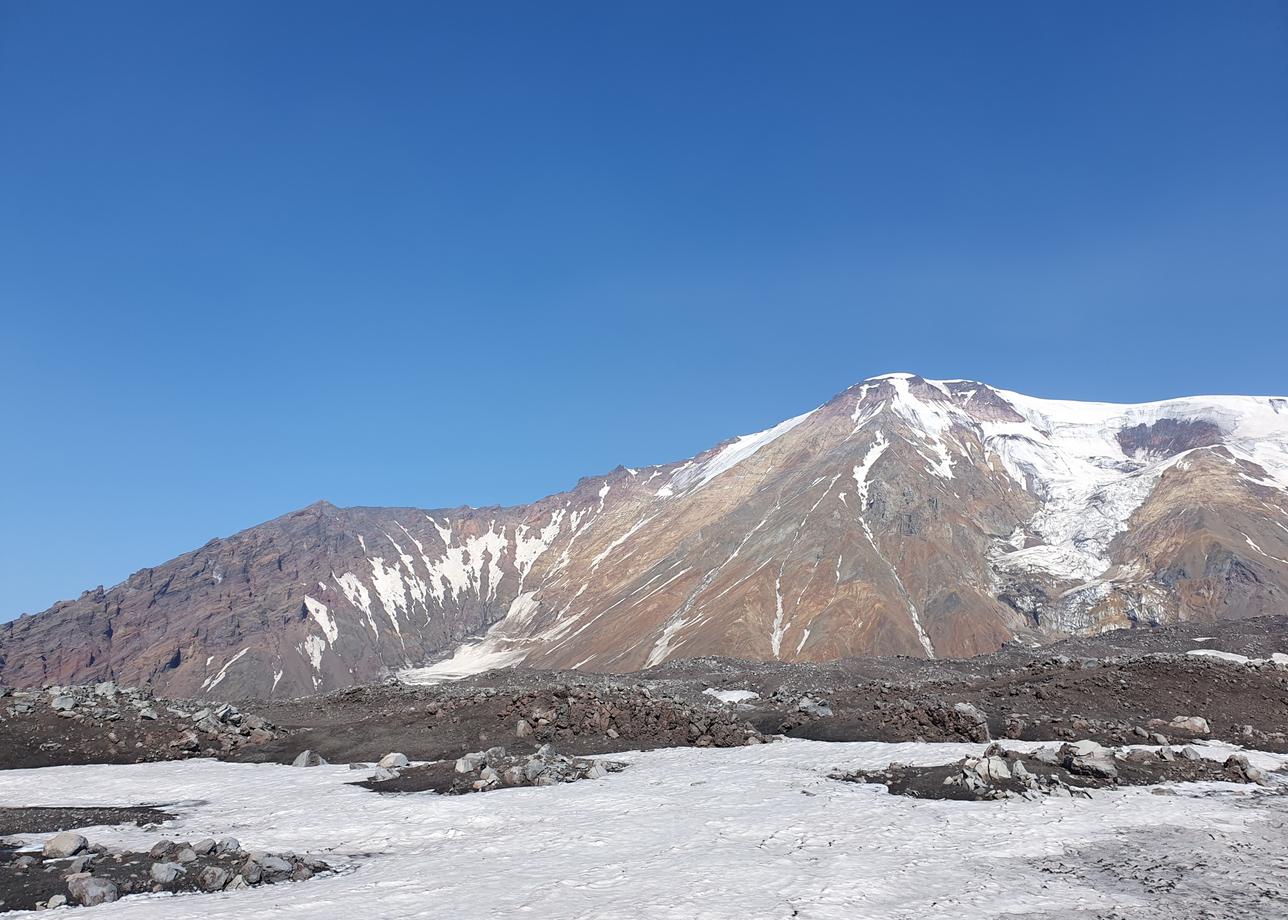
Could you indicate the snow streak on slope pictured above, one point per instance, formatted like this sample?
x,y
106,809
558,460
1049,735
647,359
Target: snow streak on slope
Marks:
x,y
628,847
695,476
933,420
861,472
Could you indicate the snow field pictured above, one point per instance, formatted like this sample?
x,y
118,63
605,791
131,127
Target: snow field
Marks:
x,y
683,834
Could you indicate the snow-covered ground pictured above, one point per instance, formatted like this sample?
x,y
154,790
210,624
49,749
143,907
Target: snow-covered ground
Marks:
x,y
756,832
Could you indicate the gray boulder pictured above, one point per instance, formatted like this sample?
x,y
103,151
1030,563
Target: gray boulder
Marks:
x,y
164,849
1087,758
394,761
309,759
163,873
274,865
1242,769
89,891
819,709
1195,725
213,878
63,845
994,768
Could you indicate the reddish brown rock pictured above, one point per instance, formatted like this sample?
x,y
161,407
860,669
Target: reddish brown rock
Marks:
x,y
903,517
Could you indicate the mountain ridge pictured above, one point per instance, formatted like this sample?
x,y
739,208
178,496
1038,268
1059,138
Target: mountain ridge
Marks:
x,y
902,516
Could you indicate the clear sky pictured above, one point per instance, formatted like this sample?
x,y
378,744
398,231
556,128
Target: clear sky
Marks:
x,y
257,254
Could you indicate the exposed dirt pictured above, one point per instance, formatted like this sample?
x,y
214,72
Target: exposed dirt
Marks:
x,y
40,820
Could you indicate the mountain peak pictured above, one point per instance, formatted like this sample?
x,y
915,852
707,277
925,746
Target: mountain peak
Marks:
x,y
908,516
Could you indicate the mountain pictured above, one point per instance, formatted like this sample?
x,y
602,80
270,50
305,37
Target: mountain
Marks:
x,y
903,517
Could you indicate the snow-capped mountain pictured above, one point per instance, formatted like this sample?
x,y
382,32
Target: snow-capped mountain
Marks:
x,y
904,516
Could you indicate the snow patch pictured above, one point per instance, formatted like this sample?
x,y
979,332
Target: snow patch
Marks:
x,y
322,616
695,476
628,845
211,683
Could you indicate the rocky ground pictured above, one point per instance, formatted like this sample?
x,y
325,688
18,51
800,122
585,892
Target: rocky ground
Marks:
x,y
483,771
1122,687
70,871
1067,770
104,723
1132,686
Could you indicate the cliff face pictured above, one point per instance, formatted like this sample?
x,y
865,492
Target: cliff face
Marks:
x,y
904,516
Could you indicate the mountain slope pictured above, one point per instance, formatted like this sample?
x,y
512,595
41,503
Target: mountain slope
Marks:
x,y
904,516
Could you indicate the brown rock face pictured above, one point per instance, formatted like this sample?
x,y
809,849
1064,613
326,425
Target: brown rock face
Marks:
x,y
905,516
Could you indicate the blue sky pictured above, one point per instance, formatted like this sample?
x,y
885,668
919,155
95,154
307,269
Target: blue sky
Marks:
x,y
253,255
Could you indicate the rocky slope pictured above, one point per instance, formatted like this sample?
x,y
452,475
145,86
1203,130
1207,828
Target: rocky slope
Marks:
x,y
903,517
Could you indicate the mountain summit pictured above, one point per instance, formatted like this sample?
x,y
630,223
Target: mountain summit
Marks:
x,y
906,516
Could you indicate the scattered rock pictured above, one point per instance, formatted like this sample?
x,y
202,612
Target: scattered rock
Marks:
x,y
309,759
